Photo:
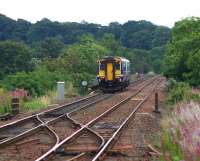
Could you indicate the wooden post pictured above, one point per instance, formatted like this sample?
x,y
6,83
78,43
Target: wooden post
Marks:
x,y
156,103
15,105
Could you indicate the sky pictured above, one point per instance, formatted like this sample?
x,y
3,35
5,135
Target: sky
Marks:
x,y
160,12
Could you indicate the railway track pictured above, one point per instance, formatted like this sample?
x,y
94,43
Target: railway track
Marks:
x,y
48,133
33,140
104,128
87,114
13,130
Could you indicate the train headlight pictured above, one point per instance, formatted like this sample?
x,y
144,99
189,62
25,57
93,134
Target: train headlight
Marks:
x,y
119,78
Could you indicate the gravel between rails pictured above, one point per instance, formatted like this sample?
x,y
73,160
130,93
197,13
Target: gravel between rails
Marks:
x,y
49,115
88,114
62,153
86,139
63,127
29,148
142,130
11,131
115,119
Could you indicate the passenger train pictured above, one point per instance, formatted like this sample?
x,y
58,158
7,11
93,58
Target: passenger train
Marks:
x,y
113,73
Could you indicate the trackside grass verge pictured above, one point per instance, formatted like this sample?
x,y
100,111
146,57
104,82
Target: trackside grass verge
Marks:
x,y
181,126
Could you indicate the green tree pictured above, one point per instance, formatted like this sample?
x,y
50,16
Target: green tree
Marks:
x,y
182,59
83,56
50,47
15,56
109,41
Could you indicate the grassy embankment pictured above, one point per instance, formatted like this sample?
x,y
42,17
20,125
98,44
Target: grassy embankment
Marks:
x,y
181,125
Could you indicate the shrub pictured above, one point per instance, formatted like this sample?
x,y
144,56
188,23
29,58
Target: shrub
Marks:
x,y
171,83
37,82
151,73
179,92
5,101
70,91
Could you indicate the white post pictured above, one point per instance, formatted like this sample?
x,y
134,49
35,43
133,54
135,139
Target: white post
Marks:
x,y
60,91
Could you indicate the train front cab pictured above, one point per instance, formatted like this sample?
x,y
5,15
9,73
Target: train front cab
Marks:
x,y
113,74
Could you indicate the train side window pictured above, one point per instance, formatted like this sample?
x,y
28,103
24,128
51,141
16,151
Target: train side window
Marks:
x,y
128,67
123,66
102,66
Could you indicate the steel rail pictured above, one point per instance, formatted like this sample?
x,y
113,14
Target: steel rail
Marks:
x,y
42,123
117,132
36,118
50,110
54,109
83,127
99,156
45,124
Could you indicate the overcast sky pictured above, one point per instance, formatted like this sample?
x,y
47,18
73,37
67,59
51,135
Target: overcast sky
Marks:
x,y
161,12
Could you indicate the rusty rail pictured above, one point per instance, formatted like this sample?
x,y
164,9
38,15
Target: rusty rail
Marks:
x,y
83,127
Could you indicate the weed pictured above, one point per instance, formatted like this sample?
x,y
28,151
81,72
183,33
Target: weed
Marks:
x,y
180,140
32,105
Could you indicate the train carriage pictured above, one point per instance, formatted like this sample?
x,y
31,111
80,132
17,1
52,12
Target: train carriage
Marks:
x,y
113,73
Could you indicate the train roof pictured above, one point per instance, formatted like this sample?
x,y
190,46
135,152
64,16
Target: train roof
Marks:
x,y
114,58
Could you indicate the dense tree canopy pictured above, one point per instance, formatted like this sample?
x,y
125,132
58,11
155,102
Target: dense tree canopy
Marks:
x,y
49,47
36,55
183,55
133,34
14,57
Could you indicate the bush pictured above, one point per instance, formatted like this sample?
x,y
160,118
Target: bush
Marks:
x,y
171,83
151,73
180,91
70,91
5,101
37,82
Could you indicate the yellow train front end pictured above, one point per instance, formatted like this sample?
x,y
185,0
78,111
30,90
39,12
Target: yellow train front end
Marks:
x,y
111,74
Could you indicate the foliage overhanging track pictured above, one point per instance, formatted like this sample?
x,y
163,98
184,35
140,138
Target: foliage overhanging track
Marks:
x,y
55,152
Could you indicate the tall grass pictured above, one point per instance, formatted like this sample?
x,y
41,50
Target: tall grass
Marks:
x,y
181,138
50,98
39,102
181,129
181,91
70,90
34,103
5,101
